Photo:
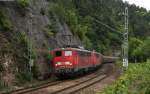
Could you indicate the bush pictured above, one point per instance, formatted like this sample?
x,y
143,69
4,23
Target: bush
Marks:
x,y
134,81
23,77
23,3
21,54
139,50
49,31
5,24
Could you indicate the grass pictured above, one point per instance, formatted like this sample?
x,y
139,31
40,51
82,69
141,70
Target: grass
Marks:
x,y
134,81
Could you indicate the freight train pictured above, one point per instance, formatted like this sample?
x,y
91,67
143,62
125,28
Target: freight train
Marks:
x,y
71,61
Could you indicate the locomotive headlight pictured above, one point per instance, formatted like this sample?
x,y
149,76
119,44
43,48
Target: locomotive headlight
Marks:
x,y
68,63
58,63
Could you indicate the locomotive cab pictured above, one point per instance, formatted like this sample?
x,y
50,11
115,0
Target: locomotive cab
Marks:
x,y
63,58
63,61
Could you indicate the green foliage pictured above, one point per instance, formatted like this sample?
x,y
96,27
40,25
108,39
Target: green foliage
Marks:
x,y
22,7
144,49
82,16
79,16
23,3
139,50
134,81
50,54
4,21
49,31
5,46
87,43
139,22
20,43
71,17
23,77
134,49
15,44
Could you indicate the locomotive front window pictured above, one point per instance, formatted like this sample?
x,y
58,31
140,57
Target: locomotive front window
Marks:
x,y
68,53
58,53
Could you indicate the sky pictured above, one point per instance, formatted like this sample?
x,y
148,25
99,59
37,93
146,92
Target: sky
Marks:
x,y
141,3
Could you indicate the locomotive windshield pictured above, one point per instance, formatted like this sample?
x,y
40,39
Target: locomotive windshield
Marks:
x,y
58,53
68,53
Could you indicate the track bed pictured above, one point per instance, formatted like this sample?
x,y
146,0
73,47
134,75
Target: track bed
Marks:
x,y
72,86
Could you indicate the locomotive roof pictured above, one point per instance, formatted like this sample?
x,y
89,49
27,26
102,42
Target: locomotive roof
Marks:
x,y
57,49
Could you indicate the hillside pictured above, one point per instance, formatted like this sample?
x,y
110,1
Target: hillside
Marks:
x,y
134,81
28,28
28,31
88,19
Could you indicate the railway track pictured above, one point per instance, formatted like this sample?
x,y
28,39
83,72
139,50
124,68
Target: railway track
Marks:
x,y
82,82
85,83
33,88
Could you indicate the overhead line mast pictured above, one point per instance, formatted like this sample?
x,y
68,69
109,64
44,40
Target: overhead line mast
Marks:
x,y
30,42
125,41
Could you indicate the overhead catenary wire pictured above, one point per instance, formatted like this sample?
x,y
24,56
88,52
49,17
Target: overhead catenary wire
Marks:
x,y
112,29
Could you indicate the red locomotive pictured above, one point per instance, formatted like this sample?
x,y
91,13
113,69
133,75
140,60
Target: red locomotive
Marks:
x,y
69,61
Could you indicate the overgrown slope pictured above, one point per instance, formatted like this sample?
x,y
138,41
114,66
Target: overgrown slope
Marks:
x,y
99,22
134,81
27,33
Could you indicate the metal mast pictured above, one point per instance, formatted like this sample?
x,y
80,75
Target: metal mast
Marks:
x,y
125,42
30,42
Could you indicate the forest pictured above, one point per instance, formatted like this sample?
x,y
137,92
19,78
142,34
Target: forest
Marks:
x,y
88,19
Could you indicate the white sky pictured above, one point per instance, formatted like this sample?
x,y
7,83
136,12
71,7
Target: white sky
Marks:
x,y
141,3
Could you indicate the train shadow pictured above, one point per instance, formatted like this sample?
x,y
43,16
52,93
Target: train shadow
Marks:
x,y
78,75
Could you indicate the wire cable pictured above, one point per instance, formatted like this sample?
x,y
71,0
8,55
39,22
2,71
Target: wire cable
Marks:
x,y
112,29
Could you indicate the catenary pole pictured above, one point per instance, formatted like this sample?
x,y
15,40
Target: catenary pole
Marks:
x,y
125,42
